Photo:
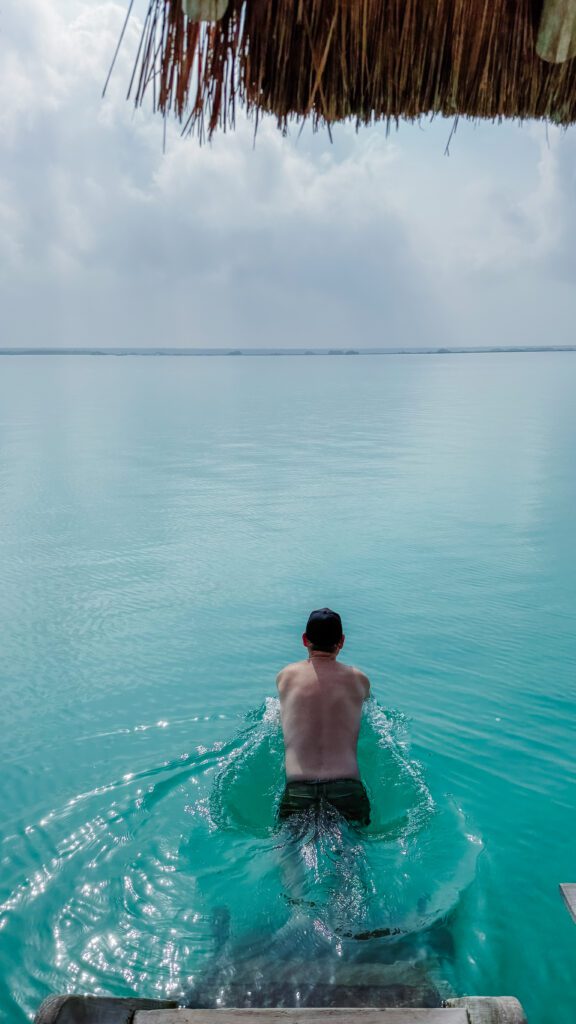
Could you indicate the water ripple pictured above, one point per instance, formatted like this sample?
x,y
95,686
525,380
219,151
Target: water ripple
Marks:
x,y
119,885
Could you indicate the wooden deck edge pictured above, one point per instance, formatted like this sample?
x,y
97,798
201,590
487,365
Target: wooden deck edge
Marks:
x,y
568,890
319,1015
101,1010
491,1009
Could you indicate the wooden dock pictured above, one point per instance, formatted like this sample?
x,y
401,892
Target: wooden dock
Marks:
x,y
100,1010
568,890
319,1016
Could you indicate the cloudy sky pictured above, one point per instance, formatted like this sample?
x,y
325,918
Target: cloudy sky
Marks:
x,y
107,240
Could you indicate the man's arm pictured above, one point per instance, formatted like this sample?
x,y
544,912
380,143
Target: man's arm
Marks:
x,y
282,678
365,683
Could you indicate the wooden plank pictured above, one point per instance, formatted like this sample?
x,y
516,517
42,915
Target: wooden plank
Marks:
x,y
309,1016
491,1009
568,890
557,31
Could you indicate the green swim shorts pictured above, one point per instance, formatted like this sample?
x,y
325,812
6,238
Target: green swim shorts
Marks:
x,y
347,796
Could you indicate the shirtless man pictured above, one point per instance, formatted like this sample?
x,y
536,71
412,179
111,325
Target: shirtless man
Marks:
x,y
321,706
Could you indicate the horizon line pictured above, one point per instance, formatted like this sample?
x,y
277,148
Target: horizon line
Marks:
x,y
149,350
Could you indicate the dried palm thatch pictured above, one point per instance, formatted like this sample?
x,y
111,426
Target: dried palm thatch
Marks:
x,y
365,60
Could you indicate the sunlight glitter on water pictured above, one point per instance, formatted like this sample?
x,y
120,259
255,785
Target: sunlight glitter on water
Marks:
x,y
145,873
166,527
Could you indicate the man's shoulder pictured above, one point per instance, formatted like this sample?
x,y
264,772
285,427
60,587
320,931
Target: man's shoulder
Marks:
x,y
293,666
360,677
354,670
290,670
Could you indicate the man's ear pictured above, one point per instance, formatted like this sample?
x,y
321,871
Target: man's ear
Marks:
x,y
342,642
305,640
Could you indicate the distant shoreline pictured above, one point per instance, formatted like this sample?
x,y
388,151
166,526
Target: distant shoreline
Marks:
x,y
282,351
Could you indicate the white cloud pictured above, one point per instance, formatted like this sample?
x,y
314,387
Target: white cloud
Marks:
x,y
370,241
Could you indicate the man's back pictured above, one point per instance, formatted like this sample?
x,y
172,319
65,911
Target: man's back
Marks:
x,y
321,707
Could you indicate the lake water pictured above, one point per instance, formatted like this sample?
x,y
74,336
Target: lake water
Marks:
x,y
166,526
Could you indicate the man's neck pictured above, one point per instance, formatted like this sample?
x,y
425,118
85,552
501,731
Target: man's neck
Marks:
x,y
322,655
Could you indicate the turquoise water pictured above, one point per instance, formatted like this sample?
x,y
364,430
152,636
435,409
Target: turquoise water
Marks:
x,y
166,525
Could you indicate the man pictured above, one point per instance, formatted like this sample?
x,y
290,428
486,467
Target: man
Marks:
x,y
321,706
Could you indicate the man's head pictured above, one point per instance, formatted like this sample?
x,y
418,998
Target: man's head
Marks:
x,y
323,631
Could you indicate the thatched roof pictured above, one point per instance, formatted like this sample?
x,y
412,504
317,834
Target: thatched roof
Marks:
x,y
365,60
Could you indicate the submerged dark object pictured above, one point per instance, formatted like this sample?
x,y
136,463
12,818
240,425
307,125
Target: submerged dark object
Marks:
x,y
300,984
95,1009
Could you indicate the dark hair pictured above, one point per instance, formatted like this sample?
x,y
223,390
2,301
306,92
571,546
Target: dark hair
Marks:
x,y
320,647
